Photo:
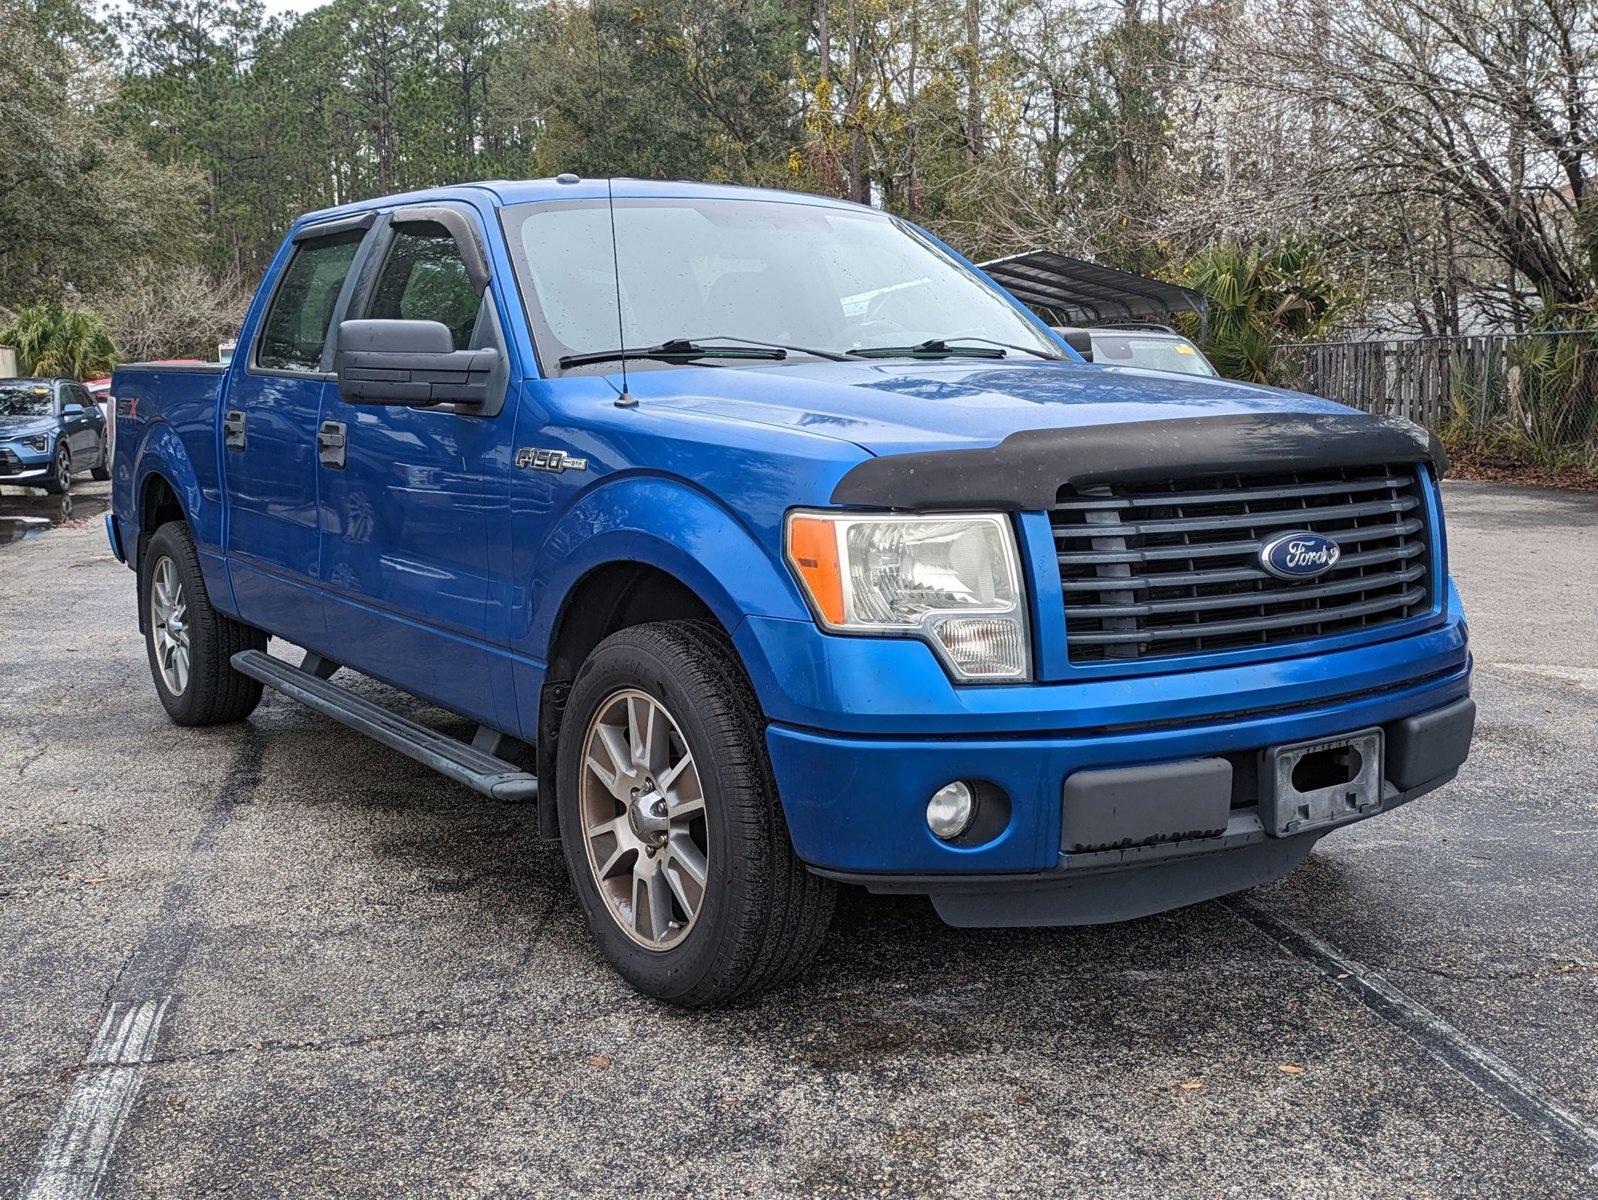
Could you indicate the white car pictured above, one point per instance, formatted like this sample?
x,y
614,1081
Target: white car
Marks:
x,y
1154,347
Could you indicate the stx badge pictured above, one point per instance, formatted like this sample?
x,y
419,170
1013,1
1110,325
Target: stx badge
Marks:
x,y
549,460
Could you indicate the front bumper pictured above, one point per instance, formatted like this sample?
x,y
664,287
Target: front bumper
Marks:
x,y
855,806
13,471
21,463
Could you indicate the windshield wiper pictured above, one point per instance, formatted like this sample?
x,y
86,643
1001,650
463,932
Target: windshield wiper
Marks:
x,y
676,349
722,337
697,347
931,348
941,348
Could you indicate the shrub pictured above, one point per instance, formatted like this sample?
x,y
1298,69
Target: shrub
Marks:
x,y
57,340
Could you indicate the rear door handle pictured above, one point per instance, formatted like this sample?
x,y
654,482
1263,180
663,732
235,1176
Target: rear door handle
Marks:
x,y
233,430
330,444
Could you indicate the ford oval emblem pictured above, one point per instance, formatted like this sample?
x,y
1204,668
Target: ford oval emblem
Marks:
x,y
1299,555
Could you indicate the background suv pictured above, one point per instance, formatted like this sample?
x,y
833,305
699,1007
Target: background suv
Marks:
x,y
49,430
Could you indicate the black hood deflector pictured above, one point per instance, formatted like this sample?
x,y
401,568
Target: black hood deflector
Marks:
x,y
1027,469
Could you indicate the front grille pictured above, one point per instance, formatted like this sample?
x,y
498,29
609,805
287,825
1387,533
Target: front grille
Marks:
x,y
10,464
1155,570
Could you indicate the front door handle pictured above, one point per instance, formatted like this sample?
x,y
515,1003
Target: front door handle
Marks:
x,y
233,430
330,443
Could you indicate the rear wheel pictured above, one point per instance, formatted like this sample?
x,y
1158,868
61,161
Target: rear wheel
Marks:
x,y
102,471
59,480
672,828
189,643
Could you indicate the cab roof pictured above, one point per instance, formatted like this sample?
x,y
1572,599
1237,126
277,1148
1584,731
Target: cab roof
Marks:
x,y
503,192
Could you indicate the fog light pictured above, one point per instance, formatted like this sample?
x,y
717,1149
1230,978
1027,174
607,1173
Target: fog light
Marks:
x,y
950,810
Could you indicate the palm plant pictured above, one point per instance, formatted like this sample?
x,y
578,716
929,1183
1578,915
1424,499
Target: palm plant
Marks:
x,y
1260,297
53,340
1553,385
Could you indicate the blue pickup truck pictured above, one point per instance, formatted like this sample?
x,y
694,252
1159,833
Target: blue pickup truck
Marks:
x,y
769,546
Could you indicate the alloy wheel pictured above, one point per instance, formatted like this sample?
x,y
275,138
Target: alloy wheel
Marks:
x,y
643,812
169,625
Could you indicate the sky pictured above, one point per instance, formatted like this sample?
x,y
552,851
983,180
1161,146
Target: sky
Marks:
x,y
291,6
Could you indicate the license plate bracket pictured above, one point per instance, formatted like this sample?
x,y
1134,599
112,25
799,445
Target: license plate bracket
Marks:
x,y
1312,785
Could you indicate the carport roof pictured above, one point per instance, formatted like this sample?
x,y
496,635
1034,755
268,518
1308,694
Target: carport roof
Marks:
x,y
1081,292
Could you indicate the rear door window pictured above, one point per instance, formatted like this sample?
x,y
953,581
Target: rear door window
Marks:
x,y
295,329
424,279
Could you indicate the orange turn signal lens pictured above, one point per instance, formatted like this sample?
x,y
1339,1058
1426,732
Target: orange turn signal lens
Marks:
x,y
813,550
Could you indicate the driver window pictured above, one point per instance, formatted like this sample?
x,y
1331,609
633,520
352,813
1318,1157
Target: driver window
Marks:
x,y
424,279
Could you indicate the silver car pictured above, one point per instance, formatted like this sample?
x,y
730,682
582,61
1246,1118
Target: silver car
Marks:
x,y
1153,347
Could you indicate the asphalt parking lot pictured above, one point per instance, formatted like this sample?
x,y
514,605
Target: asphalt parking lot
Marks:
x,y
350,977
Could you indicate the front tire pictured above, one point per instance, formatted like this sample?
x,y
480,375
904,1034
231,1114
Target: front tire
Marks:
x,y
60,478
672,828
188,642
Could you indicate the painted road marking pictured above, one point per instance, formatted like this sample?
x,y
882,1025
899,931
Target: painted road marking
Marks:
x,y
1582,677
77,1150
1491,1075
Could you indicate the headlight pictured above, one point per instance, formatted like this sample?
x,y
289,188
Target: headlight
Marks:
x,y
39,442
954,581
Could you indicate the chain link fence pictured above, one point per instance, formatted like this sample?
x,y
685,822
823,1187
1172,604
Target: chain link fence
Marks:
x,y
1526,399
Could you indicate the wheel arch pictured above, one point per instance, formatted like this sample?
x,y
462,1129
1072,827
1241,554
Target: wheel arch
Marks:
x,y
629,553
683,534
158,503
166,487
613,596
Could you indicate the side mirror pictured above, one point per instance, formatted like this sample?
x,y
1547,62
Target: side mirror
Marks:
x,y
72,409
410,363
1079,340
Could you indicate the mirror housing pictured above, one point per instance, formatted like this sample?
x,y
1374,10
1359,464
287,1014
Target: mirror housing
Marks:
x,y
71,408
1079,340
411,363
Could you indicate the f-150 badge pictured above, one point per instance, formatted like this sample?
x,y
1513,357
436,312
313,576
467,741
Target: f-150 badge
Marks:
x,y
549,460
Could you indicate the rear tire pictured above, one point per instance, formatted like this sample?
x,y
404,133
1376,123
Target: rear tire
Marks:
x,y
759,917
188,642
102,472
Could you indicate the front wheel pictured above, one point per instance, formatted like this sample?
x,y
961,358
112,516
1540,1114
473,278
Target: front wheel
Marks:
x,y
190,644
59,481
671,824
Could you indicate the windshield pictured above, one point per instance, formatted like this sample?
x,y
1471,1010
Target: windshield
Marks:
x,y
24,400
799,274
1157,352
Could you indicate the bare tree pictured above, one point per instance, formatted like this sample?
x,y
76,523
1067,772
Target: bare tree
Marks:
x,y
172,313
1477,115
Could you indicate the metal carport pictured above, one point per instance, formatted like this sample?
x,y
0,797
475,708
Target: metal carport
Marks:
x,y
1073,291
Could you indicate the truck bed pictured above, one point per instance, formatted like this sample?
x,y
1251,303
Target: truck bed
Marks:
x,y
174,404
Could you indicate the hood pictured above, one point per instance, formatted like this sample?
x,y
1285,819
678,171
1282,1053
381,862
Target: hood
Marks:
x,y
897,407
11,427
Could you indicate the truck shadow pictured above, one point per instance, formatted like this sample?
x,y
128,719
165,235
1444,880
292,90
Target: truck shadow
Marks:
x,y
892,980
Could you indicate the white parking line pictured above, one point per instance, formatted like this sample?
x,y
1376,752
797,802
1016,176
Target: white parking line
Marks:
x,y
77,1151
1488,1073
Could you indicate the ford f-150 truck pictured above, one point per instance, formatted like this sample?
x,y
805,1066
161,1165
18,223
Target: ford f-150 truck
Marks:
x,y
769,546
